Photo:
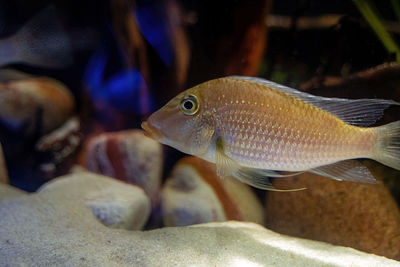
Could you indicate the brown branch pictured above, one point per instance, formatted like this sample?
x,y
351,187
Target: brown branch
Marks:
x,y
317,22
3,168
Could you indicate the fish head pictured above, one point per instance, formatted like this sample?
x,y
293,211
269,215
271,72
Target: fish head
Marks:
x,y
184,123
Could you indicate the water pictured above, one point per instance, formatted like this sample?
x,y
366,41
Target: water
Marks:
x,y
128,58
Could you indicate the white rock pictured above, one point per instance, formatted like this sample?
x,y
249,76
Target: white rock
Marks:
x,y
120,207
115,204
195,194
56,228
7,191
186,199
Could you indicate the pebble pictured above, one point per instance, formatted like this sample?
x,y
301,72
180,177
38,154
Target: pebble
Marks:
x,y
194,194
38,104
55,227
115,204
129,156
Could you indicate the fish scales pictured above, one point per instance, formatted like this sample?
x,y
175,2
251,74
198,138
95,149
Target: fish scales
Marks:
x,y
266,128
253,128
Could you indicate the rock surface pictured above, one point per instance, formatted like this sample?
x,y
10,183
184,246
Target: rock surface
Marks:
x,y
23,102
361,216
194,194
7,191
55,228
49,228
129,156
115,204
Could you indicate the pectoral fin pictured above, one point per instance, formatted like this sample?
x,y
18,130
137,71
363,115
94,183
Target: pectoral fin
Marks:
x,y
348,170
225,165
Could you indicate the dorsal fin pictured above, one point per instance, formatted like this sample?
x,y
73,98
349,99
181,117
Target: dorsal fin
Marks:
x,y
358,112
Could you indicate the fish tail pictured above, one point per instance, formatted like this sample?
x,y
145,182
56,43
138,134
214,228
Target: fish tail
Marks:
x,y
388,145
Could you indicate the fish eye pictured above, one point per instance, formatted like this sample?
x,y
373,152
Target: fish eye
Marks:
x,y
190,105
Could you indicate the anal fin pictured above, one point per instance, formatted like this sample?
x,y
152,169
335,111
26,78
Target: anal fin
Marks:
x,y
348,170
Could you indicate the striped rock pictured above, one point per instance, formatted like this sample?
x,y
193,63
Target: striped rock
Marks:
x,y
194,194
129,156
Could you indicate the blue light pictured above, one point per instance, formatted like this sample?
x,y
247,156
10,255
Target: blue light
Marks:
x,y
93,76
125,91
153,26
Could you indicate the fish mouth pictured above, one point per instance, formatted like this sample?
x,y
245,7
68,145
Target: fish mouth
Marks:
x,y
151,131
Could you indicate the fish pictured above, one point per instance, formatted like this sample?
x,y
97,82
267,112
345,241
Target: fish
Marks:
x,y
42,42
254,129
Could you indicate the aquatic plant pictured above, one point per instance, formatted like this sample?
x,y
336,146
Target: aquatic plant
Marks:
x,y
374,19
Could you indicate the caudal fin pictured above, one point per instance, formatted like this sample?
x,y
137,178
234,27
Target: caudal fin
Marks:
x,y
388,150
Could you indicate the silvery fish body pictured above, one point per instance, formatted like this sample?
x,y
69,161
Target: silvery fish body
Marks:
x,y
253,128
264,128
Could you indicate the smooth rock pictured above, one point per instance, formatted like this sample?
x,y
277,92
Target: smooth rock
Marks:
x,y
116,205
54,228
129,156
194,194
362,216
7,191
35,102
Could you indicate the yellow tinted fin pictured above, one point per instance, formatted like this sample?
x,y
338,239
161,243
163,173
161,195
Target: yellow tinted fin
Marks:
x,y
358,112
225,165
348,170
388,149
